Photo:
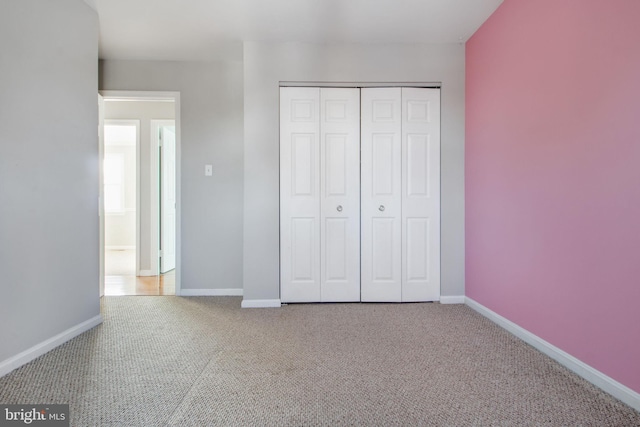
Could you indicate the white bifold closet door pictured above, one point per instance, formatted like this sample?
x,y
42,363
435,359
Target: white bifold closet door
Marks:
x,y
381,152
400,194
319,194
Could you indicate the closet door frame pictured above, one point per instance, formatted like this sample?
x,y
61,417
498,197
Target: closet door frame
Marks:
x,y
311,262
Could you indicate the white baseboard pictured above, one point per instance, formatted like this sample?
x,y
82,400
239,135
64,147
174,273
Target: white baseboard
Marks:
x,y
146,273
595,377
38,350
452,299
119,248
260,303
210,292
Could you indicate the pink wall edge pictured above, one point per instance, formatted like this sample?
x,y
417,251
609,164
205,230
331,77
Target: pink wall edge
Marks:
x,y
552,165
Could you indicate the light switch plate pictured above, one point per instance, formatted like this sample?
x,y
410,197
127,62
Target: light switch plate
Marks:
x,y
208,170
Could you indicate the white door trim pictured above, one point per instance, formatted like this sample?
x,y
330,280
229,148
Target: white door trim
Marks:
x,y
126,95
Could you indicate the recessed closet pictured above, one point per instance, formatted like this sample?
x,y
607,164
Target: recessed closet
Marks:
x,y
359,194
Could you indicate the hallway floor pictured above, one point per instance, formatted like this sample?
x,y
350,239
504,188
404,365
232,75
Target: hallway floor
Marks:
x,y
120,278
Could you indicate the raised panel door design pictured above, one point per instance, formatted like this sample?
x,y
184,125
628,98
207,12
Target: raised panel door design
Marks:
x,y
417,110
381,194
303,157
360,194
417,165
336,249
417,249
335,172
383,174
336,110
420,194
382,237
303,253
384,110
304,110
299,195
339,207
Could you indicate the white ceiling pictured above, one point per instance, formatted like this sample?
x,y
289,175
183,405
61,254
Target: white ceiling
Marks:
x,y
215,29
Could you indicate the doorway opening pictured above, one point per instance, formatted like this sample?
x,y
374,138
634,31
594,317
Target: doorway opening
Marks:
x,y
139,148
121,203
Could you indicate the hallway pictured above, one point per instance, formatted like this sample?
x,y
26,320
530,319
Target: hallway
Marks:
x,y
120,276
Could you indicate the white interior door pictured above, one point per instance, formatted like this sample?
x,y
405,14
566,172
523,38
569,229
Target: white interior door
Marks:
x,y
420,194
381,194
168,199
299,194
371,234
340,194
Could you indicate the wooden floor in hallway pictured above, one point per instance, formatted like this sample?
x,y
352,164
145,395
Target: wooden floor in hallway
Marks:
x,y
132,285
120,276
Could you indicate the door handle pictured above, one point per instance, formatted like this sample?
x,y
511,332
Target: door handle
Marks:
x,y
381,208
339,208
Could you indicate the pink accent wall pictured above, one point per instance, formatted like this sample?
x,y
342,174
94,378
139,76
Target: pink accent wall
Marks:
x,y
553,175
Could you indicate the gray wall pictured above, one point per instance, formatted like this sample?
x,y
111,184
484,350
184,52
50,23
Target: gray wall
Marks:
x,y
48,170
144,111
211,133
265,65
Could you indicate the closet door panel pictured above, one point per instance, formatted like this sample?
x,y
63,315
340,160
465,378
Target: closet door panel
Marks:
x,y
340,194
383,234
303,240
421,194
417,251
299,195
381,194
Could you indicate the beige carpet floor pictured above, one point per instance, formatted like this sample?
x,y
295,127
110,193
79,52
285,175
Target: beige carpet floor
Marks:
x,y
205,362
